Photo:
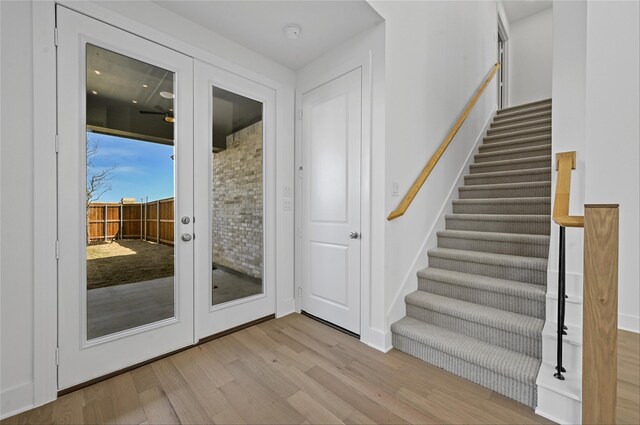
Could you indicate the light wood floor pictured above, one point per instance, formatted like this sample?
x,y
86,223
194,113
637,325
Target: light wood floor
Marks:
x,y
294,370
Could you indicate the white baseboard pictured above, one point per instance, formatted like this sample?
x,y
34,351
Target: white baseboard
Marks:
x,y
375,338
397,307
16,400
286,307
630,323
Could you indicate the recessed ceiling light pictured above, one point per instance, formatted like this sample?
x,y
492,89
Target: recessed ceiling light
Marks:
x,y
145,86
167,95
171,109
292,31
97,72
134,101
94,92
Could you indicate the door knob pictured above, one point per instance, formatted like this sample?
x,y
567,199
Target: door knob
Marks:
x,y
185,220
186,237
353,235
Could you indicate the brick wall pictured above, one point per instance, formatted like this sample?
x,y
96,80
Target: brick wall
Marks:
x,y
237,202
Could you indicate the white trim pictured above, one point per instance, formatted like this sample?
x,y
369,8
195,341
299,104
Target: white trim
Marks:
x,y
363,61
45,329
397,308
630,323
16,400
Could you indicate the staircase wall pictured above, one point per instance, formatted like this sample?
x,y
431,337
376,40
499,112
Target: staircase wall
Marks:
x,y
437,54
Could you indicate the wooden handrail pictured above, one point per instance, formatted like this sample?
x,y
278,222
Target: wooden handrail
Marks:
x,y
415,188
565,162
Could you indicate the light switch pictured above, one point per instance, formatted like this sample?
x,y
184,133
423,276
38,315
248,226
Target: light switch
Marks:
x,y
287,190
287,204
395,189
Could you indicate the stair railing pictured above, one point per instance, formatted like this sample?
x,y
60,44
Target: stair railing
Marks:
x,y
600,297
565,162
415,188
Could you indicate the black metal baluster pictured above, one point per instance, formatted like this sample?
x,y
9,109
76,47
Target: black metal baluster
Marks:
x,y
561,304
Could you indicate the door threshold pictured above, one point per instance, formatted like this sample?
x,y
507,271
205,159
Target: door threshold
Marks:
x,y
331,325
171,353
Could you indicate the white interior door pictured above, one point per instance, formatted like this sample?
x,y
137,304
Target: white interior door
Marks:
x,y
125,123
331,155
235,206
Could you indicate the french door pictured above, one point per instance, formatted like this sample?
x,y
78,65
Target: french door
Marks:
x,y
163,236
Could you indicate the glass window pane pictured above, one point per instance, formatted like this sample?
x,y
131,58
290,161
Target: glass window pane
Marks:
x,y
237,197
130,192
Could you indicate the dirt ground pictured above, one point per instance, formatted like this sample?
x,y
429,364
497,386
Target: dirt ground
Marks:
x,y
127,261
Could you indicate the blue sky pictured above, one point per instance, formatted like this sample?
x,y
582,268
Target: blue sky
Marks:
x,y
141,169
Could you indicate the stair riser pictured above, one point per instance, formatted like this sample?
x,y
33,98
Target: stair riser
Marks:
x,y
495,247
502,121
499,129
504,156
497,147
511,136
558,407
524,192
478,296
524,165
519,391
505,339
537,277
571,354
520,227
515,178
540,208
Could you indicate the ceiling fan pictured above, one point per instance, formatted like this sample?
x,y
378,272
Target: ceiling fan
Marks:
x,y
168,115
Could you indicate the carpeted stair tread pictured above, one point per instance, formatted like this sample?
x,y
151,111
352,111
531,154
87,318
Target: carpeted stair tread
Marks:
x,y
495,236
536,205
502,260
531,224
511,164
495,242
535,104
517,366
526,152
506,190
510,176
506,120
487,316
543,129
523,142
510,113
519,126
485,283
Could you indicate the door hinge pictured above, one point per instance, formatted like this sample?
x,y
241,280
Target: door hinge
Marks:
x,y
57,143
57,356
300,172
300,292
55,37
300,114
57,250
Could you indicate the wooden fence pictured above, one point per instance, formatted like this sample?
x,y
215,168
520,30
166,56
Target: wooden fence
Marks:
x,y
151,221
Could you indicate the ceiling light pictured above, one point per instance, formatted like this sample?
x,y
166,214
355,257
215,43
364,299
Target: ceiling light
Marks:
x,y
167,95
134,101
94,92
171,109
292,31
97,72
145,86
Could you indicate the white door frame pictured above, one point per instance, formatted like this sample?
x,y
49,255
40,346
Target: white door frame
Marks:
x,y
364,62
210,319
502,31
45,386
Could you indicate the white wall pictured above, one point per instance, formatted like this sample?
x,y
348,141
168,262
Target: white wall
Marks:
x,y
530,58
16,192
613,135
17,150
437,55
595,113
368,46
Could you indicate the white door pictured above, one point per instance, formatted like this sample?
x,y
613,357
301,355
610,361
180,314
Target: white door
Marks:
x,y
125,199
235,206
331,154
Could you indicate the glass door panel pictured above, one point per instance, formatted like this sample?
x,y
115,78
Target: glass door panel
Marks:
x,y
130,192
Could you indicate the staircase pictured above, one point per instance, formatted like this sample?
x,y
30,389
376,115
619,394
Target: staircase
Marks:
x,y
479,309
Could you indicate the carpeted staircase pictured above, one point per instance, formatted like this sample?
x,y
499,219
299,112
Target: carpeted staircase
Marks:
x,y
480,305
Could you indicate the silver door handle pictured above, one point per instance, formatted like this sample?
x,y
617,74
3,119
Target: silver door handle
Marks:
x,y
186,237
185,220
353,235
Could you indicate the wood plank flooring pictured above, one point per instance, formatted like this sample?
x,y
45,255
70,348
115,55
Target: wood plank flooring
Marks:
x,y
294,370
